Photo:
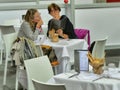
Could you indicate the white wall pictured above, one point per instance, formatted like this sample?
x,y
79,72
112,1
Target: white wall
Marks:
x,y
101,22
84,1
16,16
7,15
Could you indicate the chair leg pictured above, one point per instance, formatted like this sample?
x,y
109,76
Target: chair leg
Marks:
x,y
16,85
1,56
55,70
119,65
5,70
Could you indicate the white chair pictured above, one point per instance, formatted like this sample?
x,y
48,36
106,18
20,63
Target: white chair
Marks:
x,y
21,73
15,22
8,40
45,86
99,48
1,48
1,52
38,68
5,29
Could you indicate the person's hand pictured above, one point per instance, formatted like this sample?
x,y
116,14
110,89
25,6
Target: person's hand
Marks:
x,y
65,36
60,33
39,23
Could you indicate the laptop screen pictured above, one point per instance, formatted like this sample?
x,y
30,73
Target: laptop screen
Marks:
x,y
81,62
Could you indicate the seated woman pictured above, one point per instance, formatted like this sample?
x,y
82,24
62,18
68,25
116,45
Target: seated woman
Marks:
x,y
61,24
31,26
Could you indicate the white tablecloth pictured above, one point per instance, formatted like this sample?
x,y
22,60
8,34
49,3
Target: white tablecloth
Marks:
x,y
75,83
64,50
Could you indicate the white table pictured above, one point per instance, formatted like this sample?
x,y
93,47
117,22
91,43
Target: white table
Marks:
x,y
76,83
64,50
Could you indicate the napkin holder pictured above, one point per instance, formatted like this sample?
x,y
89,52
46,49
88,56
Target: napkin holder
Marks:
x,y
53,36
96,63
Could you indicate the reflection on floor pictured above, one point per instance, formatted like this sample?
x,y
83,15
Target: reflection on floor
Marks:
x,y
11,75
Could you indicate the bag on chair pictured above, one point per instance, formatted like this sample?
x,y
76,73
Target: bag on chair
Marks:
x,y
49,51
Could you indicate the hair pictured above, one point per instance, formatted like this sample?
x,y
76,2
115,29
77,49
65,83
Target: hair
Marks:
x,y
30,16
54,6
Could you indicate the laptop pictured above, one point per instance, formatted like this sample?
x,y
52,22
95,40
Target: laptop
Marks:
x,y
81,62
7,29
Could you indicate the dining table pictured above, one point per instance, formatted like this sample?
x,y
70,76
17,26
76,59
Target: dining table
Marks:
x,y
64,50
108,80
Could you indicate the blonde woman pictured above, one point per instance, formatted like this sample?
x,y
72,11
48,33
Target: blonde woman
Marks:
x,y
31,26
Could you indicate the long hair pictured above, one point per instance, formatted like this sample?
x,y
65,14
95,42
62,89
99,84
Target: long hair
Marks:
x,y
30,16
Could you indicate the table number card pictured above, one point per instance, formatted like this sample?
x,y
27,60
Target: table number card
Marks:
x,y
40,39
81,60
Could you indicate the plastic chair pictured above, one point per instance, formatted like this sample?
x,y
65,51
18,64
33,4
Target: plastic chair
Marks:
x,y
83,34
1,48
4,29
21,73
15,22
99,48
38,68
1,53
8,40
45,86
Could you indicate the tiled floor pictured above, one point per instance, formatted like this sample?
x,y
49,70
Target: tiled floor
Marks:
x,y
10,84
11,77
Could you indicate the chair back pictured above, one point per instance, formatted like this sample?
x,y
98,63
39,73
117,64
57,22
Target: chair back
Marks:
x,y
99,48
82,34
6,29
8,40
38,68
45,86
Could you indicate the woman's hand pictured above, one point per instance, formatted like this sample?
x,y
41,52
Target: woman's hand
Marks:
x,y
39,23
65,36
60,33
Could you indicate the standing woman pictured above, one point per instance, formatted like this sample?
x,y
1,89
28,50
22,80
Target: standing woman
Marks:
x,y
61,24
31,26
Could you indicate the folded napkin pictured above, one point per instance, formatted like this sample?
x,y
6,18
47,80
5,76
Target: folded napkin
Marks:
x,y
88,76
116,76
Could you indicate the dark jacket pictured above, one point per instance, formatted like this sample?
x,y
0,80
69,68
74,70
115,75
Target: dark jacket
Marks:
x,y
64,24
